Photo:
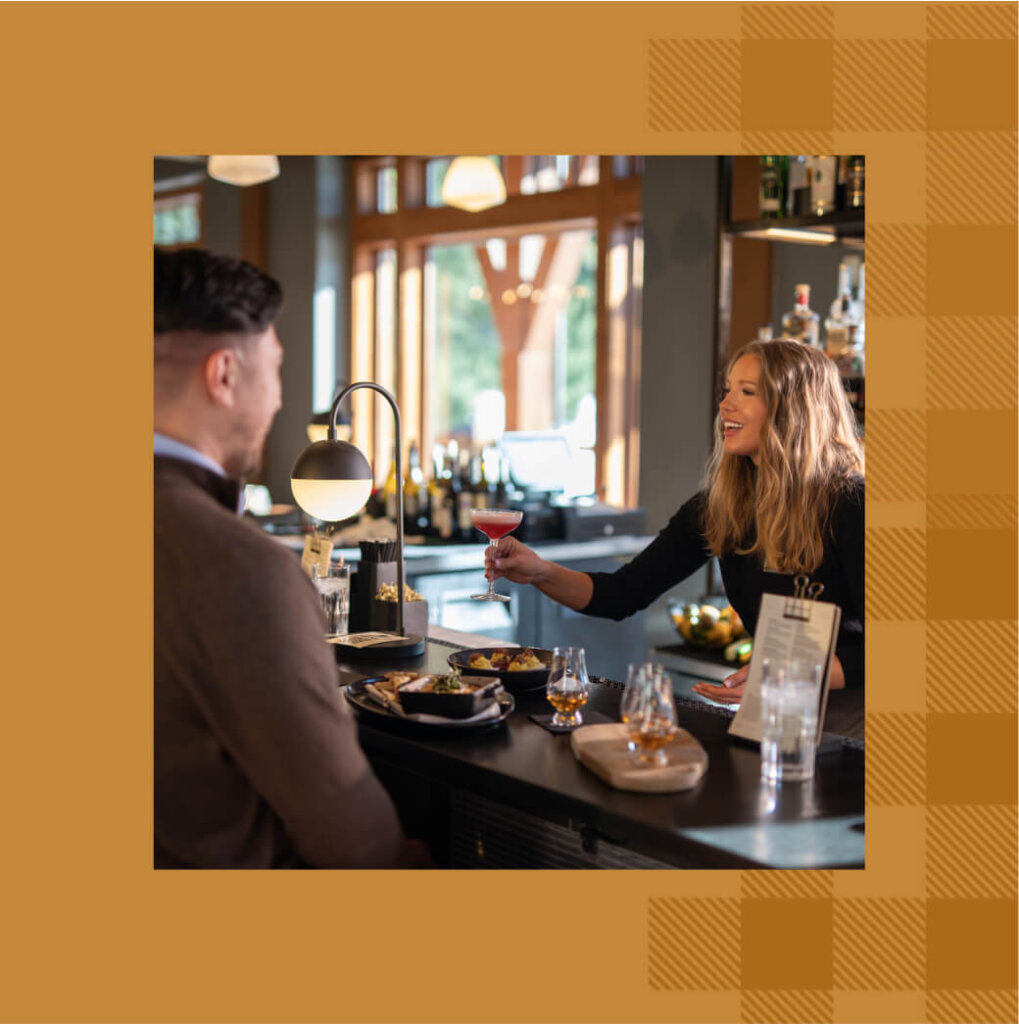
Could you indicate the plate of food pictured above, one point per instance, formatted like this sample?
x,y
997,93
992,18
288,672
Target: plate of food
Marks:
x,y
430,700
519,668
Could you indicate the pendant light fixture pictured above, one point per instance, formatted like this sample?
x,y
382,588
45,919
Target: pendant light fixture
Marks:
x,y
243,170
332,480
473,183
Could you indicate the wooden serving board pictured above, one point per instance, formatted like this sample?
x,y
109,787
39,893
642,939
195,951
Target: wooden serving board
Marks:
x,y
603,749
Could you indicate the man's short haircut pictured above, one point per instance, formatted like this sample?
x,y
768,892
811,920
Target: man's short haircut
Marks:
x,y
199,291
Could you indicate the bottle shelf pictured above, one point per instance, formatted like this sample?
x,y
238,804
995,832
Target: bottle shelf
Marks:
x,y
841,224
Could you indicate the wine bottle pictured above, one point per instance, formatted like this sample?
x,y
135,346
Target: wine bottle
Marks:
x,y
464,495
389,489
441,494
412,493
501,494
483,492
822,184
855,181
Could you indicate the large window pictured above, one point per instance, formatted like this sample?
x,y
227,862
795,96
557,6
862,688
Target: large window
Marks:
x,y
177,218
517,318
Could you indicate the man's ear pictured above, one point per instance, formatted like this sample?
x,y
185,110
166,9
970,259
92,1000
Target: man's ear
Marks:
x,y
220,375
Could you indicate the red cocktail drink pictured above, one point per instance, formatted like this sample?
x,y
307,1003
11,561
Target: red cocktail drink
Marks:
x,y
494,523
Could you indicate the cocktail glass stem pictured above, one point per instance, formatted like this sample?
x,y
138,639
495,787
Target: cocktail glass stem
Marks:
x,y
492,543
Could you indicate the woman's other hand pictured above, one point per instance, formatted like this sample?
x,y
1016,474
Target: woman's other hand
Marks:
x,y
731,690
512,560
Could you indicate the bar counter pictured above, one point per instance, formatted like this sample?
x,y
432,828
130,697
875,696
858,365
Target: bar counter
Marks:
x,y
513,795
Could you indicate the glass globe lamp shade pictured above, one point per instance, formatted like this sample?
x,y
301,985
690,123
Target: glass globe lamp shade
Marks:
x,y
331,480
473,183
243,170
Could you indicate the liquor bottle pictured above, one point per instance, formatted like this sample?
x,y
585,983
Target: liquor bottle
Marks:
x,y
441,496
464,496
838,329
412,480
375,506
389,489
855,181
822,184
774,175
841,174
801,322
484,492
501,492
859,339
798,189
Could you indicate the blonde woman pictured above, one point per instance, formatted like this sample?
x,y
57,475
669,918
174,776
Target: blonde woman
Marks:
x,y
783,495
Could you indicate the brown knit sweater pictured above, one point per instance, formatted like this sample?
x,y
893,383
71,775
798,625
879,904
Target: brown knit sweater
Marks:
x,y
257,762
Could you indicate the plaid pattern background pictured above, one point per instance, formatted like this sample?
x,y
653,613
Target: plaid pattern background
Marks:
x,y
928,931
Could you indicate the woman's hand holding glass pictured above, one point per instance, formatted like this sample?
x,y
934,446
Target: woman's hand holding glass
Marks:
x,y
517,562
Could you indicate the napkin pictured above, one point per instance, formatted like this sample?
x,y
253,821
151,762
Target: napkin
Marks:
x,y
589,718
492,711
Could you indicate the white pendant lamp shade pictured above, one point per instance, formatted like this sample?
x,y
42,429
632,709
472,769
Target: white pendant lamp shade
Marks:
x,y
331,500
243,170
331,480
473,183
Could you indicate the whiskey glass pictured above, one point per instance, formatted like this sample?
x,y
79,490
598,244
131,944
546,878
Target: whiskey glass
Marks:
x,y
650,716
634,696
567,686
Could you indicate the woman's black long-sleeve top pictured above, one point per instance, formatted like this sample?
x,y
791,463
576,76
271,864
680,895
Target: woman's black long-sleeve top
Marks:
x,y
680,550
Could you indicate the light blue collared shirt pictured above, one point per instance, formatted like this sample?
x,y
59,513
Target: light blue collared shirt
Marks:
x,y
163,445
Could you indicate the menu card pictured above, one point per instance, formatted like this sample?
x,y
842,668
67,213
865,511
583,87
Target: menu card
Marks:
x,y
317,551
787,628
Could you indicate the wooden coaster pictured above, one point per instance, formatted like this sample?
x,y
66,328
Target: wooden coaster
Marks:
x,y
602,748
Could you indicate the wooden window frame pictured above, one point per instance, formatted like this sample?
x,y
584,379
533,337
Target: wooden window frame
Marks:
x,y
611,208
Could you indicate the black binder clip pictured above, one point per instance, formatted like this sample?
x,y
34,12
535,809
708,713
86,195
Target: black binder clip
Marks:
x,y
803,591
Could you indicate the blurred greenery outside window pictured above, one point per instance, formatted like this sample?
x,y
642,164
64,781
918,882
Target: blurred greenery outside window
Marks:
x,y
387,193
544,324
177,219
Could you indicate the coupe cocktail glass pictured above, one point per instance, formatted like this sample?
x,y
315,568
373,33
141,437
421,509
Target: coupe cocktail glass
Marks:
x,y
494,523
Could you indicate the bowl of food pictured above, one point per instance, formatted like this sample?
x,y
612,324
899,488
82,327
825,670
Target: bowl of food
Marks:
x,y
451,696
712,628
518,668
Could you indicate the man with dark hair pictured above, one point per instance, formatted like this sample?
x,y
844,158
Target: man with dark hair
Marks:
x,y
257,762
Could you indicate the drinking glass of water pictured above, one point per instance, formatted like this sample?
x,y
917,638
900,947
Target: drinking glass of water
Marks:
x,y
334,590
790,693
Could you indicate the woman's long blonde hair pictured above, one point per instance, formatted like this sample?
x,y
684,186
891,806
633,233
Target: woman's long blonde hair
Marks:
x,y
808,454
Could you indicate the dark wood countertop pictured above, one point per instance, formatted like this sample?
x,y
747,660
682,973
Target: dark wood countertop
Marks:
x,y
728,820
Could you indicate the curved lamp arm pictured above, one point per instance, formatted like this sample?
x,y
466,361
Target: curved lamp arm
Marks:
x,y
333,417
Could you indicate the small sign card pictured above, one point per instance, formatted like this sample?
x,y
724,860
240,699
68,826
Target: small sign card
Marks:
x,y
364,639
317,551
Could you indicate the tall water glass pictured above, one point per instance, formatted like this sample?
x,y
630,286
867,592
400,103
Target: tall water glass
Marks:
x,y
334,592
790,692
567,685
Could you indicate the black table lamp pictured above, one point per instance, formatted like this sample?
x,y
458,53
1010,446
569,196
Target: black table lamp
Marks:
x,y
332,480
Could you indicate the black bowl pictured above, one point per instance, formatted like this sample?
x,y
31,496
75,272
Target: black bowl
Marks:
x,y
514,682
